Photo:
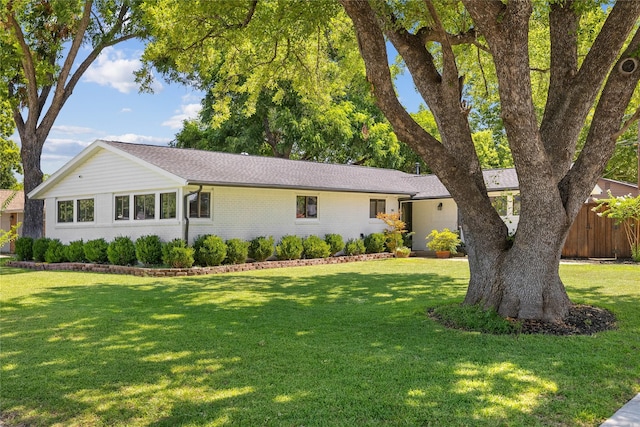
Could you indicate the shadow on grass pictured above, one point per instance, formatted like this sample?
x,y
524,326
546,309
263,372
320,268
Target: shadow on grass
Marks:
x,y
330,349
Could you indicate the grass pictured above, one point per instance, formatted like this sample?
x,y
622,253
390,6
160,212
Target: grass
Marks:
x,y
347,344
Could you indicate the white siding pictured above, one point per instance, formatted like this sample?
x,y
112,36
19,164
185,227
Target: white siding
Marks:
x,y
426,217
105,172
246,213
236,212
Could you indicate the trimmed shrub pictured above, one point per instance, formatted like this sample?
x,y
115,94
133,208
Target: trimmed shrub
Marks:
x,y
24,248
315,247
211,250
176,254
375,243
290,247
75,251
335,242
237,251
56,252
121,251
354,247
261,248
149,250
96,251
40,247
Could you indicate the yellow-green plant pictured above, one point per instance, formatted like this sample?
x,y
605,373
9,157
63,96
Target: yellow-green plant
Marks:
x,y
396,228
445,240
625,210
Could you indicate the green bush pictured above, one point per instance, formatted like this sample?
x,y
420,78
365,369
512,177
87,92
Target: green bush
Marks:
x,y
315,247
56,252
149,250
121,251
374,243
336,244
40,247
176,254
75,251
209,250
261,248
96,251
354,247
237,251
290,247
24,248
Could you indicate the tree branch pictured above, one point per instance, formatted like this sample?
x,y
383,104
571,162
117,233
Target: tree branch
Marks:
x,y
29,70
572,93
627,124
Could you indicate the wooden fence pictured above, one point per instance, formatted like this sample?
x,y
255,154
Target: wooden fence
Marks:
x,y
592,236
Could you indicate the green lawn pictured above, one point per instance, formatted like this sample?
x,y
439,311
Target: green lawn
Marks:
x,y
339,345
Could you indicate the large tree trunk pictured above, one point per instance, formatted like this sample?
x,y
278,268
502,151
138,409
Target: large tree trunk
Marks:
x,y
521,281
516,275
30,153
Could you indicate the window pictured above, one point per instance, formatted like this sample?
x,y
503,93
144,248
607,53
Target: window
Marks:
x,y
516,204
65,211
377,206
122,208
167,205
85,210
500,204
199,205
145,206
306,207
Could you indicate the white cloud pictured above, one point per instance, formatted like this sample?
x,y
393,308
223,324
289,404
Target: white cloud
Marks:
x,y
186,112
111,68
72,130
138,139
126,110
64,144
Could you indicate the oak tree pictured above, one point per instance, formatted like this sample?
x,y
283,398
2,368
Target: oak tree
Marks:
x,y
592,74
41,63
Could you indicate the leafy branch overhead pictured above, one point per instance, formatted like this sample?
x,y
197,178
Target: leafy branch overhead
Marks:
x,y
473,63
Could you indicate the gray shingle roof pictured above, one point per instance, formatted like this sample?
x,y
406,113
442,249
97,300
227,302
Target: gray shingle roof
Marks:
x,y
210,167
215,168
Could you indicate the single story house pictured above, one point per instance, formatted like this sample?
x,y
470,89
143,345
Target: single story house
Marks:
x,y
116,189
11,214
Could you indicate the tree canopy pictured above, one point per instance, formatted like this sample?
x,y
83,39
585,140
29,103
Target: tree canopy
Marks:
x,y
553,80
45,47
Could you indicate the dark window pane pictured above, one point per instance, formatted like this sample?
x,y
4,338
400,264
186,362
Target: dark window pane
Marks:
x,y
145,206
168,205
85,210
199,205
65,211
122,207
516,204
377,206
312,207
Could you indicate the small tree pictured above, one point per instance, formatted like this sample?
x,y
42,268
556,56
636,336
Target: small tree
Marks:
x,y
396,228
625,210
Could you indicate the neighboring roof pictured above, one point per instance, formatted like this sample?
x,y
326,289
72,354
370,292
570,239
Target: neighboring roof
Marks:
x,y
430,187
189,166
17,202
617,188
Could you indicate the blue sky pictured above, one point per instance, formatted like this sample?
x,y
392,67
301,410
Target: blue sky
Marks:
x,y
106,104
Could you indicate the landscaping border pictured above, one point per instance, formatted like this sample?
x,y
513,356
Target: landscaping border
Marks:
x,y
194,271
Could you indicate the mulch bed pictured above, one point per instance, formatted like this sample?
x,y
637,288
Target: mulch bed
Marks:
x,y
581,320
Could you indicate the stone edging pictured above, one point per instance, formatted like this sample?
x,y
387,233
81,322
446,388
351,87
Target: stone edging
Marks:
x,y
195,271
